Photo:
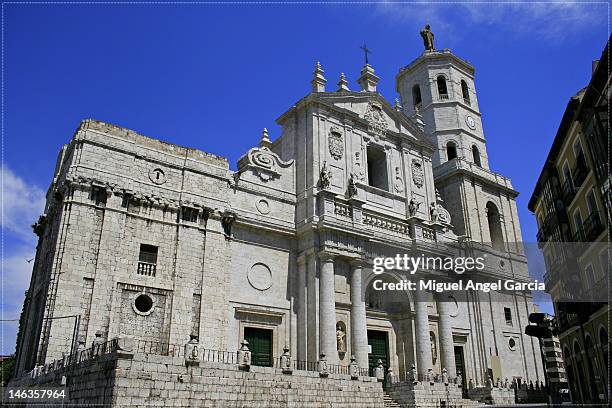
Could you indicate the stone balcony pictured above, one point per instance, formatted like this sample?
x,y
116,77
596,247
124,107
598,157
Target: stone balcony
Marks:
x,y
463,166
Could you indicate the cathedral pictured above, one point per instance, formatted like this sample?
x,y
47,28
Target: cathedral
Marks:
x,y
163,243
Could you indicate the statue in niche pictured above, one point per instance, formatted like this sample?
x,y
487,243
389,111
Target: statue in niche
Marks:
x,y
340,338
325,176
434,347
428,38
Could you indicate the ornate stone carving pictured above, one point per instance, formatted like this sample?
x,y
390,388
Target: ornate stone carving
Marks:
x,y
264,162
335,143
377,124
263,206
418,175
325,177
227,221
398,184
439,214
358,169
352,186
413,207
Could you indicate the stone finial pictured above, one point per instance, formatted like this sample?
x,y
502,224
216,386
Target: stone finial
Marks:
x,y
396,105
342,84
489,382
368,79
445,376
265,139
506,383
470,384
318,79
244,356
322,366
354,368
414,377
389,376
192,352
498,383
531,385
379,371
430,375
285,361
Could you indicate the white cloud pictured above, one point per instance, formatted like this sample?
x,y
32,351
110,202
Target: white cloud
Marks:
x,y
16,272
542,21
22,203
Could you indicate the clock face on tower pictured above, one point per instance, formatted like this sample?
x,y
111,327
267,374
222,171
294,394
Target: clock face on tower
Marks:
x,y
470,122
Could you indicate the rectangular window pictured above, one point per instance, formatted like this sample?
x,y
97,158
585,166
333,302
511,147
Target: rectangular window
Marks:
x,y
589,276
591,202
508,315
98,196
189,214
377,168
147,260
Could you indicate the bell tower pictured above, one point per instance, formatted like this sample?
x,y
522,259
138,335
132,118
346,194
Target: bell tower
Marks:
x,y
438,89
439,86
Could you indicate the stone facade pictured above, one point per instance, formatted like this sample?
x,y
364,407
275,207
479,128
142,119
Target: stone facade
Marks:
x,y
159,242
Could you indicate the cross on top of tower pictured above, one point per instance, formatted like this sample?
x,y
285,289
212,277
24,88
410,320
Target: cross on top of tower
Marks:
x,y
366,51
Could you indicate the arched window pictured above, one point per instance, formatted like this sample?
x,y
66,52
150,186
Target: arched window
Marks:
x,y
465,91
442,90
495,229
476,156
416,97
451,150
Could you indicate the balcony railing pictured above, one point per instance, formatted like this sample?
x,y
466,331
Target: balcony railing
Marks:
x,y
568,192
579,174
146,268
467,101
593,226
443,97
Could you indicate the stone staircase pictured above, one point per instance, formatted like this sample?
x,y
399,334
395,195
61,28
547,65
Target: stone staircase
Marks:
x,y
390,402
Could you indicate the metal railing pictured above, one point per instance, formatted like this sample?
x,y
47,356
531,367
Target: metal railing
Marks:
x,y
231,357
443,97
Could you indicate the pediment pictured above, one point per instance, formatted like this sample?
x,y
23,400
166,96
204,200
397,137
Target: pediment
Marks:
x,y
376,114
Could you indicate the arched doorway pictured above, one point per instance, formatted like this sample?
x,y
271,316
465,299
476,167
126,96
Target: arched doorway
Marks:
x,y
390,328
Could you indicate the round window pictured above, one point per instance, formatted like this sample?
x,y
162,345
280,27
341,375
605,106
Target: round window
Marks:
x,y
512,344
143,304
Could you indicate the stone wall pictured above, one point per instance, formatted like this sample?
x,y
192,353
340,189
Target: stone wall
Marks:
x,y
140,379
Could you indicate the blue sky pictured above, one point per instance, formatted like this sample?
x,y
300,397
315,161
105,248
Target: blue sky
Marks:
x,y
212,76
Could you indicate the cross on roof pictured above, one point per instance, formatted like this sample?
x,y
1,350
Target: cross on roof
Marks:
x,y
366,51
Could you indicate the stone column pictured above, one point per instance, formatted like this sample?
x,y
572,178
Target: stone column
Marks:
x,y
447,349
359,329
301,310
423,345
327,308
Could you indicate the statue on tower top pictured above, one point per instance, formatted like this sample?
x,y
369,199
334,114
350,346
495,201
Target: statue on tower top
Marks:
x,y
428,38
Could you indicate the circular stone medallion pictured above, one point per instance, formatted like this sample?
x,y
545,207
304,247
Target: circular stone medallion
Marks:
x,y
260,277
157,176
263,206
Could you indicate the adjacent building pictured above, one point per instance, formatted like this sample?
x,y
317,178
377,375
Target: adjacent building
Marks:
x,y
145,238
571,203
